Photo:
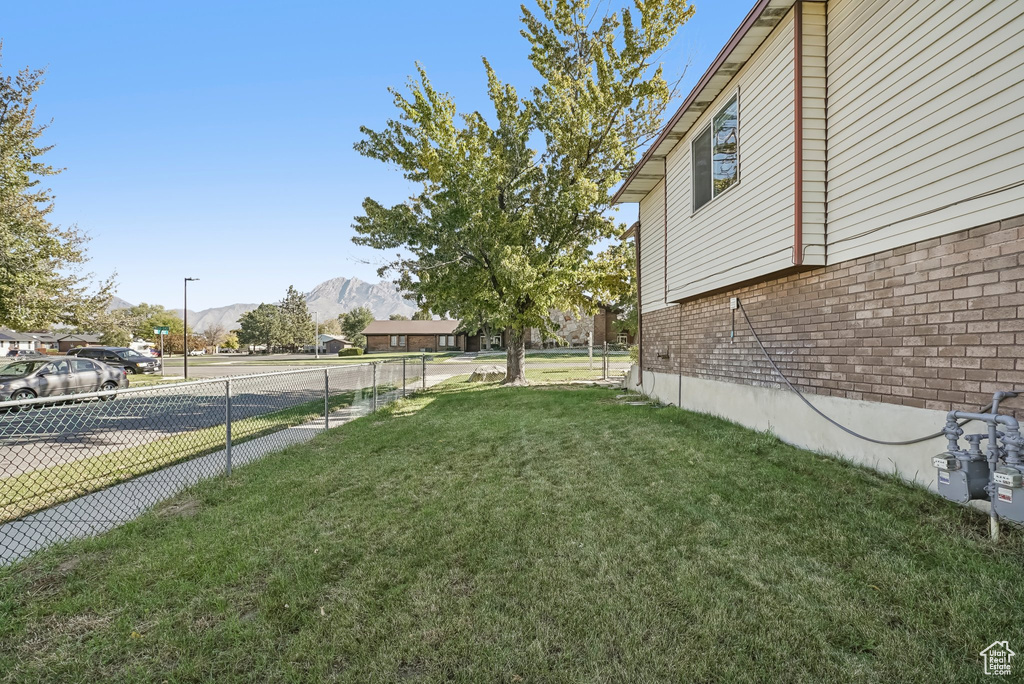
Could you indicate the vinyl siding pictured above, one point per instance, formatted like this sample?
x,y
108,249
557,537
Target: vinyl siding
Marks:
x,y
925,112
814,97
652,249
747,231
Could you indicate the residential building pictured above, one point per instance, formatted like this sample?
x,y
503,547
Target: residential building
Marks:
x,y
414,336
13,340
332,344
69,341
850,174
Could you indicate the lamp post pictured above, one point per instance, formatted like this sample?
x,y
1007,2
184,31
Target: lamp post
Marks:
x,y
184,335
316,338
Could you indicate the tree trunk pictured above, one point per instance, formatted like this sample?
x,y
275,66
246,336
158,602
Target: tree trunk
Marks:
x,y
515,373
487,337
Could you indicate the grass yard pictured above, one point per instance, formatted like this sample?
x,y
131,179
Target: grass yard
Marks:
x,y
525,534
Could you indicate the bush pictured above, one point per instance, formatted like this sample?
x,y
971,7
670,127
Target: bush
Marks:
x,y
634,354
351,351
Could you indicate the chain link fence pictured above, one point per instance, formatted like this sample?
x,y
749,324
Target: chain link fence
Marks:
x,y
77,465
551,365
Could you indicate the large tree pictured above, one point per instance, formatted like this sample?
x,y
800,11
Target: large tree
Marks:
x,y
297,326
262,325
41,282
354,322
501,229
610,277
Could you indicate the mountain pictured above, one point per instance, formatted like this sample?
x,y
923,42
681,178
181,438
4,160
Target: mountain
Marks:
x,y
118,303
329,298
339,295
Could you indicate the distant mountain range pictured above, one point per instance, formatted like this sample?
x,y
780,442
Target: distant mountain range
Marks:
x,y
329,298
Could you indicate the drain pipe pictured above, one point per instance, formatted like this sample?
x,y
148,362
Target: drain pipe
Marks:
x,y
993,420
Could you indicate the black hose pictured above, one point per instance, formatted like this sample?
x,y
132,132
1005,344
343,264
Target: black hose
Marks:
x,y
842,427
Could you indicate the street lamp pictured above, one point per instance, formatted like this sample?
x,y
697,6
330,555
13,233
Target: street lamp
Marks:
x,y
316,337
184,335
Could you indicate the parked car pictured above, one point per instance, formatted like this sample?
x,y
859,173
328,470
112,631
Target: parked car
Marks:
x,y
197,352
22,353
57,375
119,357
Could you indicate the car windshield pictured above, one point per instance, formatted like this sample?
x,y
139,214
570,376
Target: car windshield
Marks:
x,y
130,353
20,369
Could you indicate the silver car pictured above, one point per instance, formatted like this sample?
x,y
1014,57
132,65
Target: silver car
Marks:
x,y
51,376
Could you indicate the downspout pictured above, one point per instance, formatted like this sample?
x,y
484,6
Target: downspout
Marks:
x,y
639,308
798,133
664,244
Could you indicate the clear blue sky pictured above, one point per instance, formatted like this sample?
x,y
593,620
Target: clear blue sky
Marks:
x,y
214,139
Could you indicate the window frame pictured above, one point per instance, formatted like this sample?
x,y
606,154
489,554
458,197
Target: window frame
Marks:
x,y
694,210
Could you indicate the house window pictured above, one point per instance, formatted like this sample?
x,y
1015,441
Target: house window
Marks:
x,y
398,340
716,152
496,340
622,338
446,340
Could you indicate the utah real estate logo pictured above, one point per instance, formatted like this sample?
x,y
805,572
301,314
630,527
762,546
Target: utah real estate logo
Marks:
x,y
997,658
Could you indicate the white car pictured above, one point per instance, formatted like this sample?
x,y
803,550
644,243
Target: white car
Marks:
x,y
197,352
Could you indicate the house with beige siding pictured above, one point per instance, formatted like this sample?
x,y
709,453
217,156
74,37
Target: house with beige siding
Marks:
x,y
849,176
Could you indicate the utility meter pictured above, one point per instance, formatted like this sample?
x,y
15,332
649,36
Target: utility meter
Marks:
x,y
1009,499
960,477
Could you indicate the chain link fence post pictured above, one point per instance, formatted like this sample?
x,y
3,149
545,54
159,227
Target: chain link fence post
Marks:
x,y
373,406
604,365
403,377
227,427
423,376
327,400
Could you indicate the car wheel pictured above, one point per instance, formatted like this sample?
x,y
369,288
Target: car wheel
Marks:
x,y
107,387
19,395
129,370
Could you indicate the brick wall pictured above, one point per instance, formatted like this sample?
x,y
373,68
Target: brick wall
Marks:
x,y
938,324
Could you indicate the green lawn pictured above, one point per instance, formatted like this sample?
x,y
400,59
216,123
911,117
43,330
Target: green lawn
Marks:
x,y
525,534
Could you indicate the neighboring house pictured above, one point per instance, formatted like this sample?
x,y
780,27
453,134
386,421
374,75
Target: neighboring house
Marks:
x,y
10,339
576,328
852,172
477,340
414,336
68,342
332,344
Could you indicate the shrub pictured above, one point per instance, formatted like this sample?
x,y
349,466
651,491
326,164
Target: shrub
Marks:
x,y
351,351
634,354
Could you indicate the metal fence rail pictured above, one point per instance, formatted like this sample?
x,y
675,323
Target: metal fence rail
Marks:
x,y
77,465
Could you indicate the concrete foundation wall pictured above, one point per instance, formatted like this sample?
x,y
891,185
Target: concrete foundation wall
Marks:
x,y
782,412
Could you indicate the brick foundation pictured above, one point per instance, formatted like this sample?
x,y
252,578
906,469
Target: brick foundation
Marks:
x,y
938,324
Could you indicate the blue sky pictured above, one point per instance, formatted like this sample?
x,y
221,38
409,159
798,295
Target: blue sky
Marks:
x,y
214,139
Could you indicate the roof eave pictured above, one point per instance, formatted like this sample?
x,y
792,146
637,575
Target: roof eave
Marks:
x,y
625,193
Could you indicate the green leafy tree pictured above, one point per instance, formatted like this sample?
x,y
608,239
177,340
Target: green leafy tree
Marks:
x,y
114,328
611,279
230,341
297,327
397,317
422,315
40,264
501,229
145,317
354,322
332,326
262,325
